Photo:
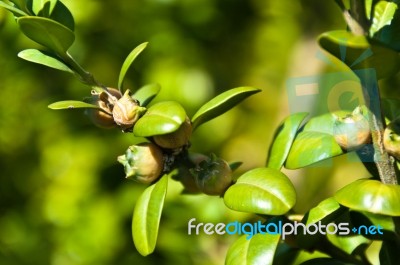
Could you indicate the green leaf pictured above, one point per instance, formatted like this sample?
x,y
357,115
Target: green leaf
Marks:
x,y
47,32
147,215
325,261
383,15
72,104
311,147
389,253
38,7
391,108
325,212
324,123
261,190
36,56
128,61
283,140
16,11
385,224
147,93
221,104
161,118
258,250
63,15
370,196
359,54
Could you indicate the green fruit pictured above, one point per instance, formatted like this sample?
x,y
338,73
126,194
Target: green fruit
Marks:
x,y
352,131
185,175
391,139
213,176
176,139
143,163
126,111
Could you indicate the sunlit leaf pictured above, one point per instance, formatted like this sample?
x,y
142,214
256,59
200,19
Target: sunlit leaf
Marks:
x,y
147,93
71,104
383,15
47,32
359,54
311,147
371,196
261,190
283,140
258,250
39,57
324,123
147,215
16,11
161,118
128,62
221,104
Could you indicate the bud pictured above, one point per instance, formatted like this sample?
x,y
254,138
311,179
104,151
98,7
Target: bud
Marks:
x,y
143,162
176,139
391,139
213,176
352,131
127,111
103,117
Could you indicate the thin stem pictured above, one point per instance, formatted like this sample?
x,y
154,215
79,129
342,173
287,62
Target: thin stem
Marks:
x,y
383,161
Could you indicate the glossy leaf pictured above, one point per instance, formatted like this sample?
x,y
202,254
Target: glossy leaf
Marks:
x,y
258,250
349,243
283,140
383,15
385,224
370,196
147,93
16,11
161,118
324,123
325,212
311,147
147,215
128,62
47,32
357,53
221,104
261,190
39,5
36,56
72,104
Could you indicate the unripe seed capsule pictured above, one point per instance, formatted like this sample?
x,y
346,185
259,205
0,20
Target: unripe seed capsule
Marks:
x,y
176,139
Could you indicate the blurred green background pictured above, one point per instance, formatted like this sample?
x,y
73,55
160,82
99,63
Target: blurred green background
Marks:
x,y
63,197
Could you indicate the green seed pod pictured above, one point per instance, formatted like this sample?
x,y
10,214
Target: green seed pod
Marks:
x,y
391,139
185,175
352,131
127,111
103,118
143,162
213,176
176,139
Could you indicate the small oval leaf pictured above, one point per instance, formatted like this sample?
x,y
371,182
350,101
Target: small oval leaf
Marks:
x,y
261,190
147,93
283,140
221,104
258,250
17,12
359,54
36,56
43,7
47,32
311,147
161,118
128,62
371,196
383,15
147,215
63,15
71,104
